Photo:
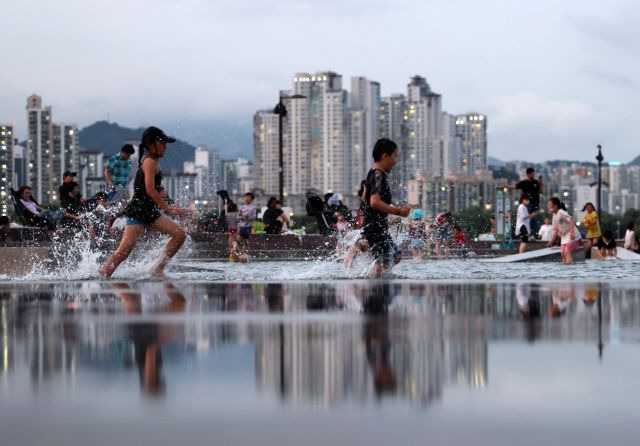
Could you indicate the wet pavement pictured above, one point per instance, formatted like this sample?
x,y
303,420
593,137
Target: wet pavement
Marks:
x,y
319,363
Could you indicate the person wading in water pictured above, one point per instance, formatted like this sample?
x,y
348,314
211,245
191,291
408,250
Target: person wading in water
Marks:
x,y
143,211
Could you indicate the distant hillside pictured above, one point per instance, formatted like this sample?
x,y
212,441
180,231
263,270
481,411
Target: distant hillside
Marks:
x,y
109,137
636,161
491,161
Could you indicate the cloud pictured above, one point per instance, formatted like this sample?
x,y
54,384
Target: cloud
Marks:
x,y
611,77
528,110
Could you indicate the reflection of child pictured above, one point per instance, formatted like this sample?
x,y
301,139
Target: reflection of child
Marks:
x,y
237,252
417,234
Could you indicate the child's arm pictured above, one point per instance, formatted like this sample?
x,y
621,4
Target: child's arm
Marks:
x,y
381,206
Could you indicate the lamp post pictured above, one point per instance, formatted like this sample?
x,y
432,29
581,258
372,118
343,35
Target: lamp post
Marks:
x,y
600,159
281,111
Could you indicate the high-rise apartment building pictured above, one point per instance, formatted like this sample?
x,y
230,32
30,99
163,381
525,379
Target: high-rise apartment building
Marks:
x,y
364,129
472,128
19,166
423,116
38,153
64,154
318,127
265,152
208,168
6,166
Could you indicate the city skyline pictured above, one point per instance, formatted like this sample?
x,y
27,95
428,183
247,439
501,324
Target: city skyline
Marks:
x,y
562,90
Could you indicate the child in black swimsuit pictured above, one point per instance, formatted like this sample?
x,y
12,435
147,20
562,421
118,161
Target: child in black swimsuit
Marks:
x,y
143,211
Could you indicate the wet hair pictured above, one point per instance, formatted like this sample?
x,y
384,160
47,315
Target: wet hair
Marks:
x,y
148,138
630,226
128,148
556,202
22,189
523,197
383,146
584,208
530,170
607,234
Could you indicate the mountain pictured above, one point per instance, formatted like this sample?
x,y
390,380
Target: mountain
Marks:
x,y
230,140
109,137
491,161
636,161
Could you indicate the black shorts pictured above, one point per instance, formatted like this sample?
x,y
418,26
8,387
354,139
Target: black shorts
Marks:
x,y
524,234
381,244
245,232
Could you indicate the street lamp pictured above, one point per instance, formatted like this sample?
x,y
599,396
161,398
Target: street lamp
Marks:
x,y
281,111
600,159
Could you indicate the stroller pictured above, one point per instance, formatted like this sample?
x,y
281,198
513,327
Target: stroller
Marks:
x,y
28,218
326,219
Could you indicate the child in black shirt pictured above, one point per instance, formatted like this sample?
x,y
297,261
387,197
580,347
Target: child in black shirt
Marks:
x,y
378,206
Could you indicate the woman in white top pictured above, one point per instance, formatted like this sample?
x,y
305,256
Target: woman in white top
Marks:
x,y
563,226
544,234
630,240
523,222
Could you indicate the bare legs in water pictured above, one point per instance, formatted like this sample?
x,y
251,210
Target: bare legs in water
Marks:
x,y
130,237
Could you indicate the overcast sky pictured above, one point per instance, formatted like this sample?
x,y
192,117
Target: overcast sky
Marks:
x,y
555,77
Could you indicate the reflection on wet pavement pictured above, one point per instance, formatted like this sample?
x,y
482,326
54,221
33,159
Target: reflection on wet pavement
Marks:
x,y
352,353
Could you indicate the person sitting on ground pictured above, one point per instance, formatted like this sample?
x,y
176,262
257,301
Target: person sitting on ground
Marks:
x,y
523,222
544,234
67,186
274,218
247,214
631,239
55,216
417,235
591,223
74,201
607,246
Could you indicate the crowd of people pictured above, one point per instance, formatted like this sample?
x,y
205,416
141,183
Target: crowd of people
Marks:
x,y
149,208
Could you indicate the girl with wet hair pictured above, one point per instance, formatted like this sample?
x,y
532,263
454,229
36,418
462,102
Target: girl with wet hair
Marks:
x,y
143,211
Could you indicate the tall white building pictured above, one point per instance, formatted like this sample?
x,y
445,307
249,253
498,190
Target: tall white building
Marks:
x,y
38,153
318,127
64,154
208,168
472,128
422,152
265,152
180,187
6,166
364,129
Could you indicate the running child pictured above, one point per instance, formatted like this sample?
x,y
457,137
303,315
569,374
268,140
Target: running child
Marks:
x,y
378,207
143,211
563,226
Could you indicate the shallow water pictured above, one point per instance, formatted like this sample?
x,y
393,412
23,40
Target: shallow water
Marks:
x,y
327,362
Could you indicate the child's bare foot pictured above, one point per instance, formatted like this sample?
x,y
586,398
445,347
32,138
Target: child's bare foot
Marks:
x,y
157,272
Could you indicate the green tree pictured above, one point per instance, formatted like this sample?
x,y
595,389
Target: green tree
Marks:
x,y
473,221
